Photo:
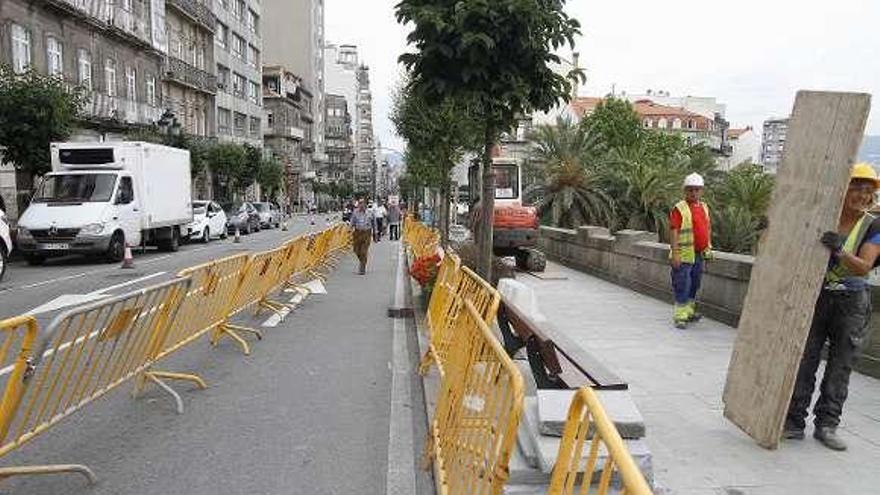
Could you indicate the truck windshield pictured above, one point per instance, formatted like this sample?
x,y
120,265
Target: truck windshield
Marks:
x,y
261,207
76,188
506,182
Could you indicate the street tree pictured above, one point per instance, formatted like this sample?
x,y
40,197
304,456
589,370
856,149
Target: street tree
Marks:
x,y
270,176
498,54
438,135
35,110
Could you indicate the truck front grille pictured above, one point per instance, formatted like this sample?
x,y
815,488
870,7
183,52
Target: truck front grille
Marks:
x,y
58,235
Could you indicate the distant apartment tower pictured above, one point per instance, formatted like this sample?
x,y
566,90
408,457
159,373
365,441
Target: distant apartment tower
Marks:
x,y
341,80
115,50
773,143
238,54
289,127
365,160
294,39
338,140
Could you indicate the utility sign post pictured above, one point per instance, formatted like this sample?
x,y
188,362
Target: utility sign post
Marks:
x,y
824,135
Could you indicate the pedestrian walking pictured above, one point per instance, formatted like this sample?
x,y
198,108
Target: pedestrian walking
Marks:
x,y
379,212
841,315
394,216
690,240
362,223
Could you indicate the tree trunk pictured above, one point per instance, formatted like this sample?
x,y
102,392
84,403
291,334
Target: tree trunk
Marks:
x,y
487,207
444,215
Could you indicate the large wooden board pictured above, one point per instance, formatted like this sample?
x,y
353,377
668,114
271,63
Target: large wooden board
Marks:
x,y
824,135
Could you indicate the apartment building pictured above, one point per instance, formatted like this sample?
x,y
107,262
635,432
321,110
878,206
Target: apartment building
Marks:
x,y
238,57
338,140
365,159
289,128
773,143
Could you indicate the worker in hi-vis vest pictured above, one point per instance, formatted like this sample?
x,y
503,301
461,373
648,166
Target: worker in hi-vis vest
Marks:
x,y
841,315
690,240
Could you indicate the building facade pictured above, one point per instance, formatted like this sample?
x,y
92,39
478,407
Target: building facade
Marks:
x,y
289,128
115,50
365,151
238,57
338,140
773,143
745,147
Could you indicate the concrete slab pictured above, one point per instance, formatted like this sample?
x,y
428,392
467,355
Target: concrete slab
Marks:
x,y
619,406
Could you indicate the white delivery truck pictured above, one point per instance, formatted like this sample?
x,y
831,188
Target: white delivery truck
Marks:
x,y
101,196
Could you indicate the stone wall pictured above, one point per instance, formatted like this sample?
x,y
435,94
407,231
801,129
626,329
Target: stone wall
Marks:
x,y
635,259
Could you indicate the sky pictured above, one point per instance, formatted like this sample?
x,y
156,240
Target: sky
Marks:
x,y
752,55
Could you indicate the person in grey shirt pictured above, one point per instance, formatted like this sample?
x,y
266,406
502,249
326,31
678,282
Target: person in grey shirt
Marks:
x,y
394,222
362,223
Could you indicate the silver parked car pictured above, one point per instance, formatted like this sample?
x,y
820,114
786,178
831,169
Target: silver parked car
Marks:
x,y
270,215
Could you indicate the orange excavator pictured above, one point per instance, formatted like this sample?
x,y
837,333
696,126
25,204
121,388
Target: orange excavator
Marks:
x,y
515,225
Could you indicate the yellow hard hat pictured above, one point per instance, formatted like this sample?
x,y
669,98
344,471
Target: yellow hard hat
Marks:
x,y
865,171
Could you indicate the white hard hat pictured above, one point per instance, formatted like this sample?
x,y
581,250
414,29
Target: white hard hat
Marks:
x,y
694,180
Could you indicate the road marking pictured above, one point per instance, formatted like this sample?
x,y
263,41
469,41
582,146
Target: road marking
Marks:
x,y
401,478
276,318
66,300
315,287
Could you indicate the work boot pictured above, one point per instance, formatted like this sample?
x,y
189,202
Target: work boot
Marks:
x,y
693,314
792,432
680,324
680,316
828,436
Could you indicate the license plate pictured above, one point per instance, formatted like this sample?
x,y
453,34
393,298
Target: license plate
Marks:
x,y
55,246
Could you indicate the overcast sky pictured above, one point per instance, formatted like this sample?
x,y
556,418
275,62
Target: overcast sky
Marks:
x,y
752,55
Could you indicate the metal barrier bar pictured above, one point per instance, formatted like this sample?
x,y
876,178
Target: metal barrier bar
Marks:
x,y
587,417
85,353
473,431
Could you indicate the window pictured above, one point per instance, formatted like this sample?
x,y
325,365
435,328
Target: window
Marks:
x,y
238,46
225,4
240,9
253,56
270,119
253,21
646,123
238,84
254,92
151,90
110,76
255,127
223,117
676,124
130,84
84,69
239,124
125,193
54,60
222,77
662,124
21,48
691,124
221,37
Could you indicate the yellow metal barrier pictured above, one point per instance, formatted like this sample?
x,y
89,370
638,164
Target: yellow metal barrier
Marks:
x,y
420,239
470,287
85,353
478,411
587,418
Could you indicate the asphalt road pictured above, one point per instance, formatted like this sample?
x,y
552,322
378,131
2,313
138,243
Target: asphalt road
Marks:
x,y
28,288
306,413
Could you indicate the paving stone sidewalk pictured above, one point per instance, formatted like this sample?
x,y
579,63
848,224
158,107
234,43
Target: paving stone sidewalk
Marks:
x,y
677,377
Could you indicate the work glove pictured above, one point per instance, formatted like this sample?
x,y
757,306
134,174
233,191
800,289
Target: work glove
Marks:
x,y
833,241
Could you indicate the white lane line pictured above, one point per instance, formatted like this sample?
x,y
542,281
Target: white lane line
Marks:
x,y
401,478
125,284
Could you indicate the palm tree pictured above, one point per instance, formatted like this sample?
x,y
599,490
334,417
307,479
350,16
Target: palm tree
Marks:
x,y
739,201
569,192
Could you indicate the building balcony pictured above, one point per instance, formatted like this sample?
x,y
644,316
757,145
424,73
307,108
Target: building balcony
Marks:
x,y
111,17
179,71
197,11
102,107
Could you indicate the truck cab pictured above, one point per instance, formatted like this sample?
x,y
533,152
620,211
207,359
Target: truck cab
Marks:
x,y
515,224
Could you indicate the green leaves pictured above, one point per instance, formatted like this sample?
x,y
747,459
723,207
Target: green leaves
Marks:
x,y
35,110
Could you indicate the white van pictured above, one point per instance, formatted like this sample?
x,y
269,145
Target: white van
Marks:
x,y
101,196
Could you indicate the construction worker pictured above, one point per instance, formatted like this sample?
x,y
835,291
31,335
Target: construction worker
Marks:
x,y
690,234
841,315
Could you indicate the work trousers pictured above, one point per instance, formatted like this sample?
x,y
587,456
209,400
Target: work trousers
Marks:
x,y
361,244
380,228
840,318
394,232
686,281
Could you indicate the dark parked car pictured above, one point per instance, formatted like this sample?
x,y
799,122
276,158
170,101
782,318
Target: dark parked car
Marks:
x,y
241,215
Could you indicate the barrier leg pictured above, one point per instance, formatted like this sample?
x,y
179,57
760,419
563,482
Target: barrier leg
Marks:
x,y
274,306
6,472
425,363
232,331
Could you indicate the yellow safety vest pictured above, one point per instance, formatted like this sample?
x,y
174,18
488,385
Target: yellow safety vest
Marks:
x,y
686,233
837,272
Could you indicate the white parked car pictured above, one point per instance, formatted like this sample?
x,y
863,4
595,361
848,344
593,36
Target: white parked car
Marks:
x,y
5,243
209,221
270,215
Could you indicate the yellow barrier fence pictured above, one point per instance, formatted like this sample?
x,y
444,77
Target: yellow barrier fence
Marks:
x,y
473,431
420,239
85,353
587,419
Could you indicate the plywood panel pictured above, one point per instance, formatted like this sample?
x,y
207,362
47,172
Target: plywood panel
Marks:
x,y
824,135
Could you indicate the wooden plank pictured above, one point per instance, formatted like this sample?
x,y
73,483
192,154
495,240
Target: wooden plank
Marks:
x,y
824,135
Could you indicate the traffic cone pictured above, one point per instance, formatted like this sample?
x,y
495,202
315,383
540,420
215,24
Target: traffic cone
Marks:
x,y
237,238
127,259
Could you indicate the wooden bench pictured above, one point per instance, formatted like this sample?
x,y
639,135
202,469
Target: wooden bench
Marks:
x,y
556,361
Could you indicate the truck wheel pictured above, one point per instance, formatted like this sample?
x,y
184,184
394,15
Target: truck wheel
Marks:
x,y
522,260
535,261
116,248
